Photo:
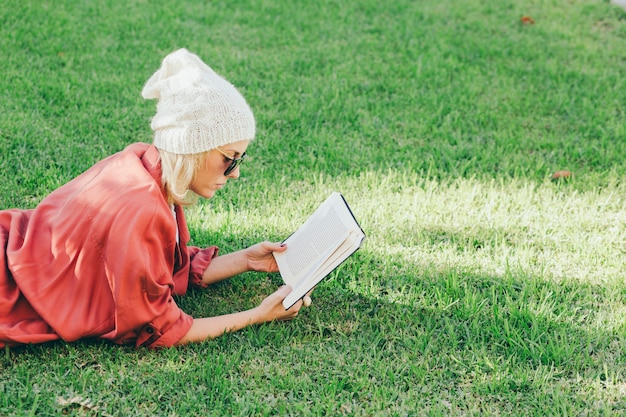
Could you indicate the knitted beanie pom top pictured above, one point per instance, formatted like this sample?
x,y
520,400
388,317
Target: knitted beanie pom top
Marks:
x,y
197,110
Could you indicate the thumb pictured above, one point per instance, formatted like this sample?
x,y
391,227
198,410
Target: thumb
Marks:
x,y
279,247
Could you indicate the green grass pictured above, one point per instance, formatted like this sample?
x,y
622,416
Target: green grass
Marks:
x,y
483,288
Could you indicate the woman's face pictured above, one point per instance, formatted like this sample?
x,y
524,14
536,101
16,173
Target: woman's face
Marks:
x,y
210,177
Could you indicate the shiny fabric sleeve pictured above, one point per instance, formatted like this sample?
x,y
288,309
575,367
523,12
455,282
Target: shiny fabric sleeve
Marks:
x,y
200,260
144,285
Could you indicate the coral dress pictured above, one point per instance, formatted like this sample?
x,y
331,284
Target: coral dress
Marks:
x,y
100,257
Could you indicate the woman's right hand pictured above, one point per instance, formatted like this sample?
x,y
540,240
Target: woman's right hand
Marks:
x,y
271,308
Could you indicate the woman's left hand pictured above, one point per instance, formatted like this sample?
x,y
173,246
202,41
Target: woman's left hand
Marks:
x,y
259,257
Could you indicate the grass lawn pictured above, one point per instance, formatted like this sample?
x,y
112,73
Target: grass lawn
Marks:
x,y
483,287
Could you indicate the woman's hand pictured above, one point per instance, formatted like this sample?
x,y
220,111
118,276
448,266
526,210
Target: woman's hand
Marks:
x,y
255,258
259,257
271,308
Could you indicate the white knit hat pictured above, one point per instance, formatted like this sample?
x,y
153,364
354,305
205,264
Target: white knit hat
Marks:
x,y
197,110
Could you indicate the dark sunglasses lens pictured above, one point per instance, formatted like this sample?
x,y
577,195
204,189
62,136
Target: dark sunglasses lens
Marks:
x,y
231,167
234,164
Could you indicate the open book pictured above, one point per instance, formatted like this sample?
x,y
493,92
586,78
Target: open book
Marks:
x,y
319,246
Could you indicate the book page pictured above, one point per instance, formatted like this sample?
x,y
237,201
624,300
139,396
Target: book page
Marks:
x,y
315,238
340,254
327,238
312,243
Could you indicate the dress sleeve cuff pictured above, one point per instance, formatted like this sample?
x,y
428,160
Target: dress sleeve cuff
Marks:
x,y
153,337
200,260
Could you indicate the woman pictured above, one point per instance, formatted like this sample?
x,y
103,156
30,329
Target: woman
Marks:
x,y
102,256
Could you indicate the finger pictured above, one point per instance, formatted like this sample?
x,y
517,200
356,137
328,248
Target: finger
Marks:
x,y
283,291
306,301
296,307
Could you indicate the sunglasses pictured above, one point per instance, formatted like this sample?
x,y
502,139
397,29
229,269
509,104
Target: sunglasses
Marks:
x,y
234,162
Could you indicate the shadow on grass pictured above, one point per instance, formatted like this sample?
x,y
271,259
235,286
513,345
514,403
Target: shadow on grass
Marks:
x,y
451,334
509,338
476,321
529,319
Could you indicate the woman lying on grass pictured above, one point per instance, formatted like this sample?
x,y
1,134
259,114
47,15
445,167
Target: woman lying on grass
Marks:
x,y
102,256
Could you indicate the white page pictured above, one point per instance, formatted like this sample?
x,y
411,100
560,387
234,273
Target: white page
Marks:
x,y
317,241
325,268
313,242
318,246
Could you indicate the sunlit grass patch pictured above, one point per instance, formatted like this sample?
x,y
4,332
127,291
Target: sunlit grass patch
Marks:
x,y
543,229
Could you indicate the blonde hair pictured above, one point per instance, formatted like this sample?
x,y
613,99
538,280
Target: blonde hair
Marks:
x,y
178,171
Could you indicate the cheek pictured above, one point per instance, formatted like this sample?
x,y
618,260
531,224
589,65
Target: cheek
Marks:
x,y
214,167
209,176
